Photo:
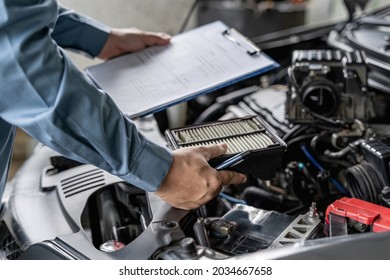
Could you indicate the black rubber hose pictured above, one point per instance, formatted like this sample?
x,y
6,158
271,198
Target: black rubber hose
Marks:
x,y
216,110
110,217
213,112
261,198
201,236
364,182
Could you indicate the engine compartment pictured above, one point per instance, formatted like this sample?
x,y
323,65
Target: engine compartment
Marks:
x,y
329,196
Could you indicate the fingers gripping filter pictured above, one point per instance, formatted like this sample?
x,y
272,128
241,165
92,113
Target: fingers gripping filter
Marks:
x,y
249,134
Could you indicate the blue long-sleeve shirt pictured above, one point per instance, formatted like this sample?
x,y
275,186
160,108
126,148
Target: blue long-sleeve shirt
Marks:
x,y
43,93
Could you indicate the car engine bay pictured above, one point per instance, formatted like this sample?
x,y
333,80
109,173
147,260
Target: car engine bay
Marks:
x,y
318,175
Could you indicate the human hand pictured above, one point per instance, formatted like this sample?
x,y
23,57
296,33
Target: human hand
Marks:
x,y
191,181
121,41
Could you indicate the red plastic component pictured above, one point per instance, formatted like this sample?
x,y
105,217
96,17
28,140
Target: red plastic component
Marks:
x,y
376,216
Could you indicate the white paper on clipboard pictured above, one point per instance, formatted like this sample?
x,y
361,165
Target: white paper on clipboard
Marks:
x,y
196,62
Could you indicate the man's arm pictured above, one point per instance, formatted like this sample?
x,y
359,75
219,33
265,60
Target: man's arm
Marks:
x,y
80,32
47,96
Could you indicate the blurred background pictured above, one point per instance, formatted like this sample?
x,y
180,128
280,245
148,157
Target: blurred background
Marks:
x,y
251,17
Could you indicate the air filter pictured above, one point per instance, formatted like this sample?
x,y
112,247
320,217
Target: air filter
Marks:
x,y
241,135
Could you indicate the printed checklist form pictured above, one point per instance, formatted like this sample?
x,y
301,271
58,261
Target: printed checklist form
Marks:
x,y
196,62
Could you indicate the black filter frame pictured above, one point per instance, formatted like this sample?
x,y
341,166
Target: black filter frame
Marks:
x,y
249,133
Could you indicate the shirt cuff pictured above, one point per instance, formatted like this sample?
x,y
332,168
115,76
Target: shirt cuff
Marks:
x,y
80,32
150,168
93,37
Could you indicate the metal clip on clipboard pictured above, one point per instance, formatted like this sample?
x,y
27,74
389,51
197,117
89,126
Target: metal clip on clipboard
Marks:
x,y
243,42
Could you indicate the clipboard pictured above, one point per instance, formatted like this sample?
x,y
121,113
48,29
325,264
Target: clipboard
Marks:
x,y
196,62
